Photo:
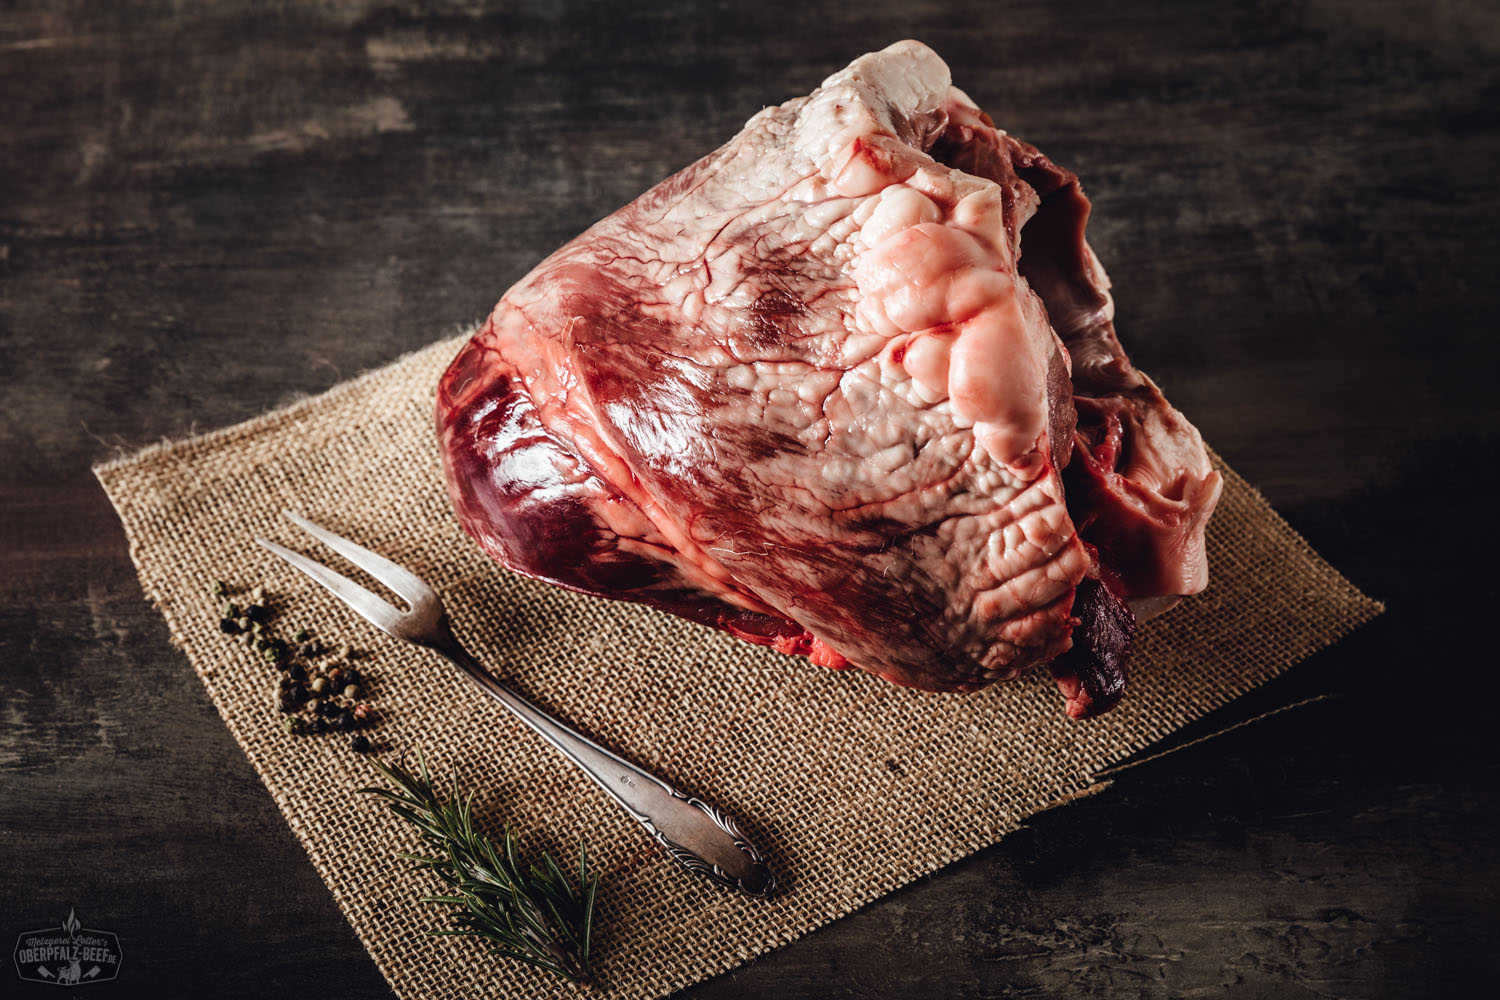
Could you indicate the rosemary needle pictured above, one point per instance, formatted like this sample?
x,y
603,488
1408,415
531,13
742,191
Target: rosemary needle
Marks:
x,y
529,913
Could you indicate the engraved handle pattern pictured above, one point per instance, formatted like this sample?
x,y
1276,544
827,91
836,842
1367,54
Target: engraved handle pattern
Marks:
x,y
698,835
762,881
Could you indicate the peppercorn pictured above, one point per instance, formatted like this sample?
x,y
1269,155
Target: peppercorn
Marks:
x,y
328,708
345,721
258,613
294,724
311,650
320,724
229,626
319,685
362,712
298,672
359,744
288,699
336,677
218,588
302,635
352,691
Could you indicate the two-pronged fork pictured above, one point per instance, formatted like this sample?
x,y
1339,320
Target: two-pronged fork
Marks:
x,y
699,836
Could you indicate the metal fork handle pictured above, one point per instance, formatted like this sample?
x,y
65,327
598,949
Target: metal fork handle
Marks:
x,y
697,835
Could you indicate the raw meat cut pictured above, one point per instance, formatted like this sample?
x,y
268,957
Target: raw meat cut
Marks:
x,y
849,387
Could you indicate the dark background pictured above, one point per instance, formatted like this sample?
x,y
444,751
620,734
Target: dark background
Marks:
x,y
209,209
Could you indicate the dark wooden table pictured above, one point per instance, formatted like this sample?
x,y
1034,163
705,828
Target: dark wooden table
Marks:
x,y
205,213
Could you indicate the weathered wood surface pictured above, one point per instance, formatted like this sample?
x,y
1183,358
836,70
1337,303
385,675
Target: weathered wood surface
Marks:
x,y
206,210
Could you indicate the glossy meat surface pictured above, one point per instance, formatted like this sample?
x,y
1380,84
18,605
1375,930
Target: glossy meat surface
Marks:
x,y
817,390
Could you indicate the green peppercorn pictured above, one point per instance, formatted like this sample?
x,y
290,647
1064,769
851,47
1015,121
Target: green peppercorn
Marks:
x,y
294,724
219,588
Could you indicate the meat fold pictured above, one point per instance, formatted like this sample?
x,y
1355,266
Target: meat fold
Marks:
x,y
848,387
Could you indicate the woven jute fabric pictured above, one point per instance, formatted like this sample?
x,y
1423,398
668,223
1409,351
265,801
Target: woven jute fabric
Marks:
x,y
852,786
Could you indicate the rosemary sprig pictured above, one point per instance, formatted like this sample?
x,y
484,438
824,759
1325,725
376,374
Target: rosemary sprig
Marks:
x,y
529,913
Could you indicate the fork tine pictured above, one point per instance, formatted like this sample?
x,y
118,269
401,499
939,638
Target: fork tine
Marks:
x,y
377,612
401,580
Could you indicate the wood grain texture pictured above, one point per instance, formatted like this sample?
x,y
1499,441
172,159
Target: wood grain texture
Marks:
x,y
206,210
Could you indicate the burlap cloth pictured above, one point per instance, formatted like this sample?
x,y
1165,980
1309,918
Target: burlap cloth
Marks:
x,y
853,786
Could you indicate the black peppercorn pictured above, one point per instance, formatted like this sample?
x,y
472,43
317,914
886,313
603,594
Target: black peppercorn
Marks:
x,y
258,613
297,672
229,626
359,744
345,721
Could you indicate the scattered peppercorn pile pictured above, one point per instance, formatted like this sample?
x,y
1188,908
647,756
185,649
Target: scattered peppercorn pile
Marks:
x,y
320,689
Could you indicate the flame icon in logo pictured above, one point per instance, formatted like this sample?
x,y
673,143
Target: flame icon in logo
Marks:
x,y
71,925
